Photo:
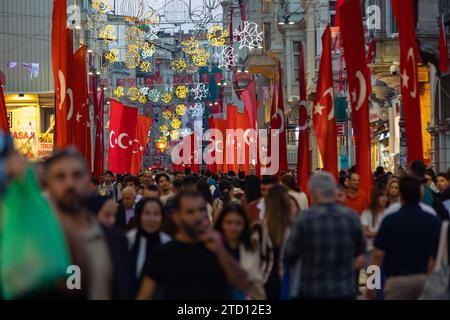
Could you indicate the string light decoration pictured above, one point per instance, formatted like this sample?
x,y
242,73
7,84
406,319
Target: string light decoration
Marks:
x,y
200,91
112,56
178,65
190,46
174,135
142,99
133,9
95,20
101,6
176,123
144,91
148,49
227,57
163,128
200,59
133,93
154,95
118,92
184,132
166,97
197,110
217,35
134,36
145,66
167,114
181,92
181,109
249,37
151,32
191,69
132,58
107,34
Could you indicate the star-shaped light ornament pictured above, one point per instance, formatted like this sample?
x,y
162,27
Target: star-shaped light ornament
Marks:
x,y
249,37
200,91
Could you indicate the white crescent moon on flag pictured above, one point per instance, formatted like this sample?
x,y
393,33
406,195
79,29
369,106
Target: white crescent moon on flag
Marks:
x,y
330,92
136,141
119,140
62,88
70,113
303,105
362,89
216,146
411,56
110,136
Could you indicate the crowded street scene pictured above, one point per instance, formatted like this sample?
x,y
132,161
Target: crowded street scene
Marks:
x,y
224,150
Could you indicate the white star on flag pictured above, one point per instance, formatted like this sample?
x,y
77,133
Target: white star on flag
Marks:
x,y
78,117
141,148
130,143
405,78
354,95
318,108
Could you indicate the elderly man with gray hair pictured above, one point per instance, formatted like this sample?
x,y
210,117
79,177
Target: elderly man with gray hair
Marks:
x,y
125,210
327,240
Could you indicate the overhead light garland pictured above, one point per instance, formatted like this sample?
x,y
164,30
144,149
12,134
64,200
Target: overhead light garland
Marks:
x,y
249,36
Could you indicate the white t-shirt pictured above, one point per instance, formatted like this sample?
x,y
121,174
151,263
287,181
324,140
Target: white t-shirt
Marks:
x,y
367,220
301,199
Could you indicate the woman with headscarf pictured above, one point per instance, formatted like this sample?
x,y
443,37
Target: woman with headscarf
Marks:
x,y
147,237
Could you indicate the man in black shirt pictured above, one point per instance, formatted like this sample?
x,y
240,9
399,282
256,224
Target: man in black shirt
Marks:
x,y
195,265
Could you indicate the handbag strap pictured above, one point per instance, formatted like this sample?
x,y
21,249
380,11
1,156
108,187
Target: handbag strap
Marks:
x,y
442,256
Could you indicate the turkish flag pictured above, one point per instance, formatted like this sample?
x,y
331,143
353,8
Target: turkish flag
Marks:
x,y
3,116
99,151
410,90
323,115
230,145
122,132
248,96
303,161
443,48
140,143
79,120
278,122
60,72
352,34
221,124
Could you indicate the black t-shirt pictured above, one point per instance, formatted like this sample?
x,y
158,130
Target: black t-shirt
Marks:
x,y
408,238
186,271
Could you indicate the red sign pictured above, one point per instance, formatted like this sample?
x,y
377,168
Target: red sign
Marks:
x,y
341,129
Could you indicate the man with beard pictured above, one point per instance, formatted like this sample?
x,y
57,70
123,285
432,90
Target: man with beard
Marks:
x,y
195,265
100,252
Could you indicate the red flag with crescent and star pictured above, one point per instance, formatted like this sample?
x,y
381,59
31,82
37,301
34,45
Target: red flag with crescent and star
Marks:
x,y
409,58
303,162
352,34
323,112
122,133
140,143
60,72
79,119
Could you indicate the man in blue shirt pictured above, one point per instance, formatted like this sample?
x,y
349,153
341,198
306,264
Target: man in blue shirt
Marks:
x,y
406,244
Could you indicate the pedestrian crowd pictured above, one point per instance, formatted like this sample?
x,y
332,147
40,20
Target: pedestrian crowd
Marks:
x,y
180,235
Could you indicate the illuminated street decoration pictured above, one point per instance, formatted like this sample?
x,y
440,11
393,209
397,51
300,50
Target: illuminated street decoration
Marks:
x,y
249,37
142,99
166,97
133,9
227,57
200,58
144,91
178,65
107,34
174,134
132,58
133,93
197,110
145,66
148,49
181,92
163,128
112,56
101,6
134,36
167,114
200,91
181,109
119,91
191,69
154,95
176,123
184,132
217,36
190,46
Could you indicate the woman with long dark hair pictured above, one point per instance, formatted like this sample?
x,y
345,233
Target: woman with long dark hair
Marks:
x,y
252,190
147,237
234,225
